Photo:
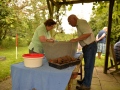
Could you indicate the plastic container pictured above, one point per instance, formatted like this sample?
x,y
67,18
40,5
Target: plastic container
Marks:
x,y
59,49
33,60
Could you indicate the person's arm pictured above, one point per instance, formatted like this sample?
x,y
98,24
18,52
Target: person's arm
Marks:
x,y
103,35
97,37
44,39
82,37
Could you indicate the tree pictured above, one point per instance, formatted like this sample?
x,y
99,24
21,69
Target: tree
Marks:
x,y
6,19
99,18
21,18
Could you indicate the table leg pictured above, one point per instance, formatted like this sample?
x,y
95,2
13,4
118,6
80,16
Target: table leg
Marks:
x,y
69,84
77,71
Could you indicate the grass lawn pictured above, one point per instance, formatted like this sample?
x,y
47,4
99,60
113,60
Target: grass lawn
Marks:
x,y
100,62
10,55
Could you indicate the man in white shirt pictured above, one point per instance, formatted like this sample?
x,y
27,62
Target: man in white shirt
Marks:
x,y
86,39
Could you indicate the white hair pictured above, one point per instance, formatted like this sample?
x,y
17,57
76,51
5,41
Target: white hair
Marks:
x,y
105,28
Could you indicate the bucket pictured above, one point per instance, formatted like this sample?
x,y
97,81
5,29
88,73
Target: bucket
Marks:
x,y
33,60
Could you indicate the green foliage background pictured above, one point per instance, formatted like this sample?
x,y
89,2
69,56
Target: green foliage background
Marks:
x,y
22,19
99,19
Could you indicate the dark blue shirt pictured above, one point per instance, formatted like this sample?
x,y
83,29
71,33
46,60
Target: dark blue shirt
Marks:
x,y
103,40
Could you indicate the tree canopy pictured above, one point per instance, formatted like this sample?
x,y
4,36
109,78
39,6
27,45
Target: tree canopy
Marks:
x,y
22,18
99,19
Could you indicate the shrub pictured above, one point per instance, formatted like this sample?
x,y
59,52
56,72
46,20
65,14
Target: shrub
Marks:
x,y
11,42
8,42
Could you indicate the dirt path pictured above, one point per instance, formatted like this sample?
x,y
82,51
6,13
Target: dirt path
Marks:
x,y
6,85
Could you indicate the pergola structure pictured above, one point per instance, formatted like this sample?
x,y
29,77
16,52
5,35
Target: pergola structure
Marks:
x,y
58,3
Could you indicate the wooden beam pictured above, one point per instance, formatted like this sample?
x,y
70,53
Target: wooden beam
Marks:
x,y
50,8
54,3
74,1
64,0
108,36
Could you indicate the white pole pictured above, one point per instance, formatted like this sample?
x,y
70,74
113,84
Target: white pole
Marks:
x,y
16,52
16,44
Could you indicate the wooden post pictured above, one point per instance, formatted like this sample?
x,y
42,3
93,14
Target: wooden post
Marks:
x,y
50,7
108,36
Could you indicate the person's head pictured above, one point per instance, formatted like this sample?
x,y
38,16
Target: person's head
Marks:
x,y
50,23
72,20
105,29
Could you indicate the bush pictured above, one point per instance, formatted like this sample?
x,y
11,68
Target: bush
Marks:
x,y
22,42
8,42
11,42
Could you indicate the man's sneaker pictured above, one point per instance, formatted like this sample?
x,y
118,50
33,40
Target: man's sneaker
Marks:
x,y
82,87
79,82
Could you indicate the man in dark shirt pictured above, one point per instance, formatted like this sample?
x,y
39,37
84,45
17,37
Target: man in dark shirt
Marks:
x,y
101,41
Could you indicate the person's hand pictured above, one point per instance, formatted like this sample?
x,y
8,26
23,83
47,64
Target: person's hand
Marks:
x,y
97,40
73,40
50,40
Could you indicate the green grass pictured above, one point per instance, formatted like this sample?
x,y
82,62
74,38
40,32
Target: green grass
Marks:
x,y
100,62
10,55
